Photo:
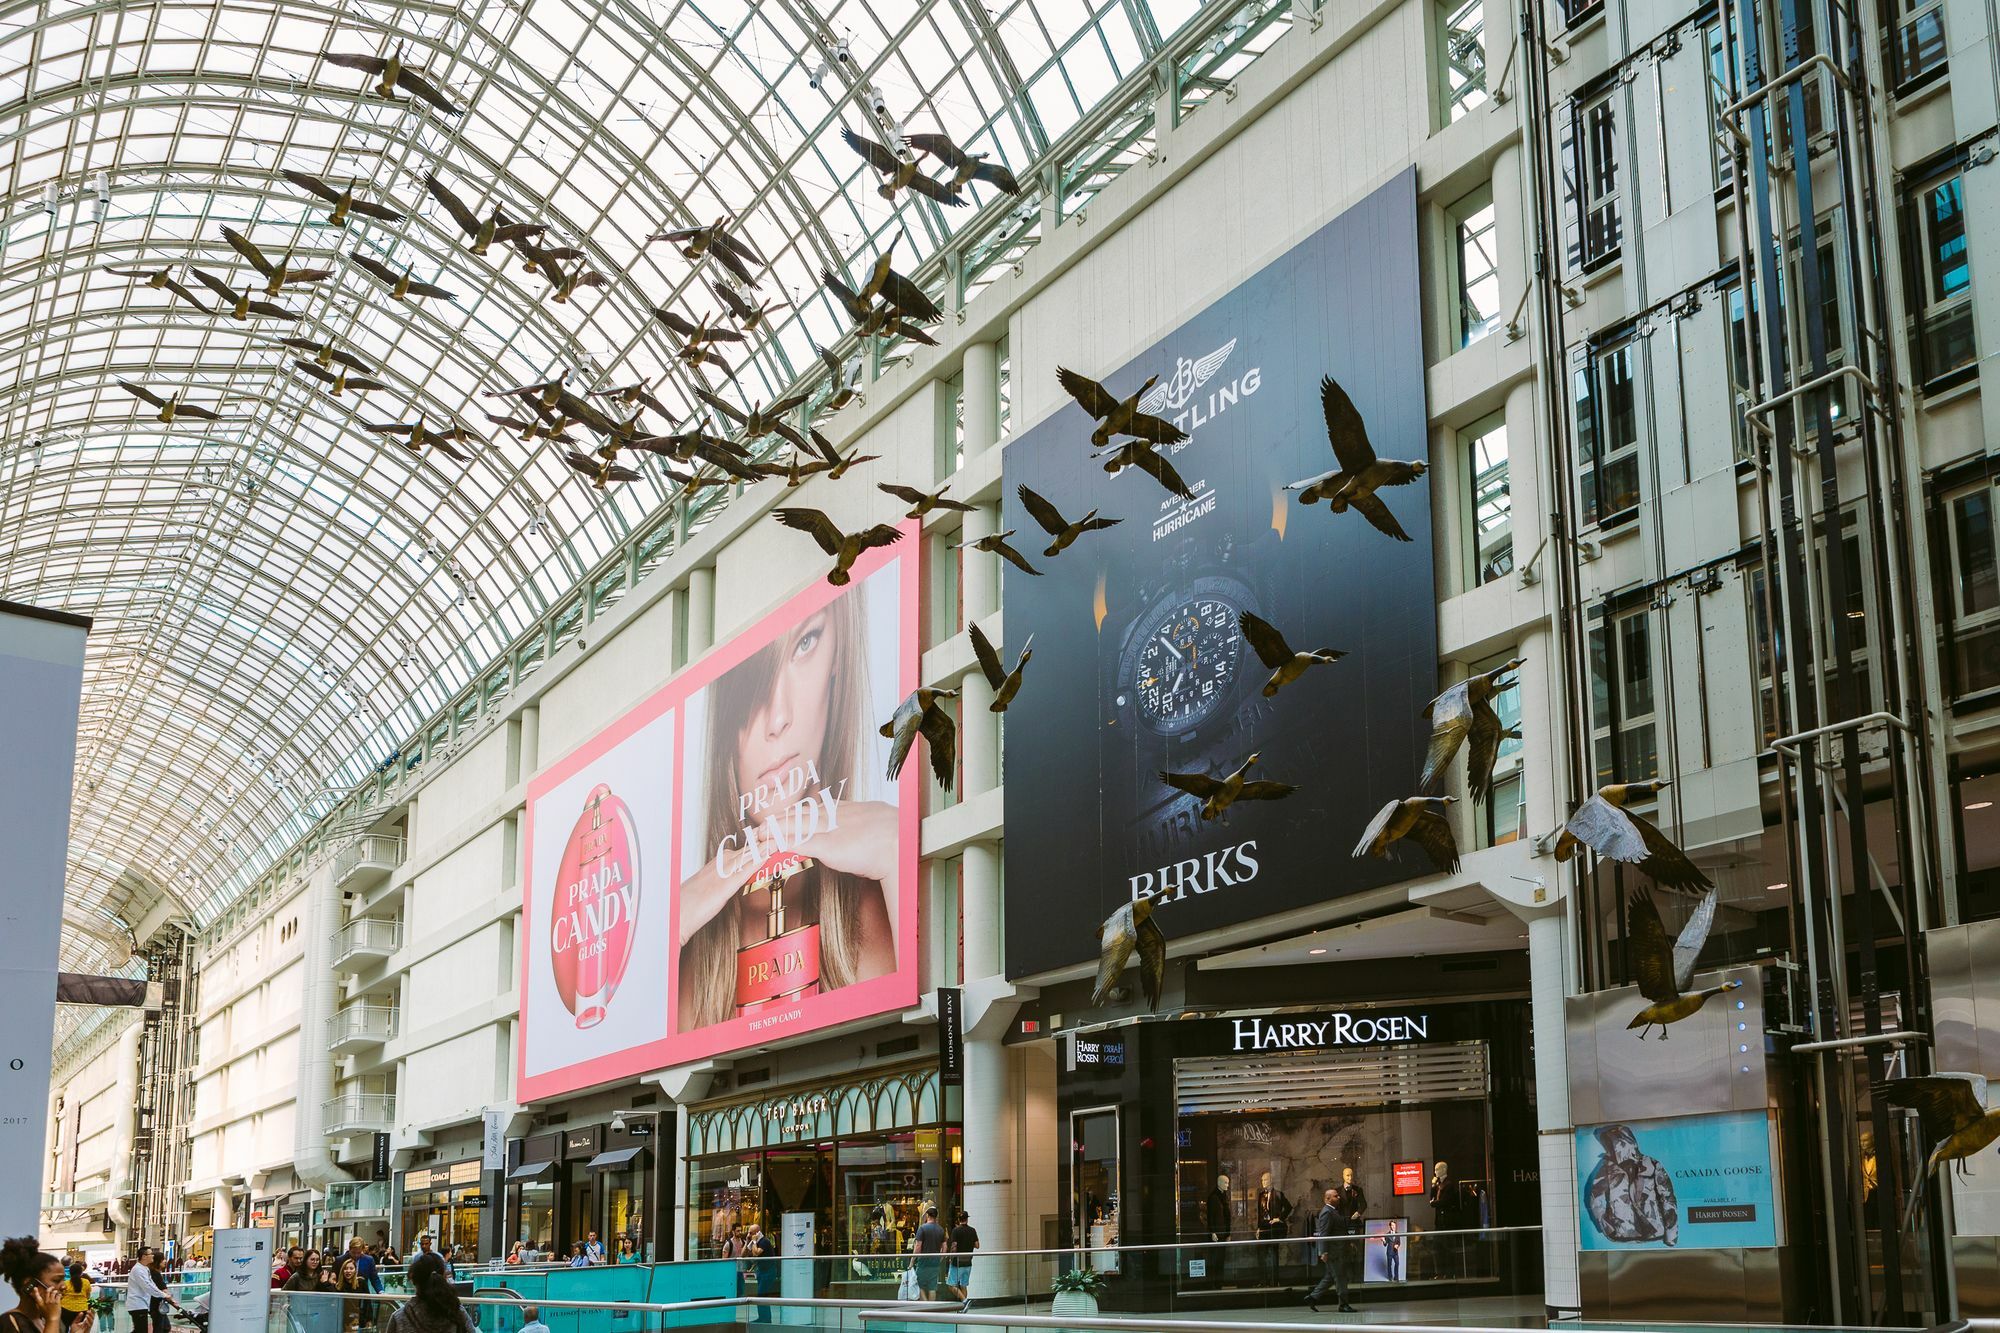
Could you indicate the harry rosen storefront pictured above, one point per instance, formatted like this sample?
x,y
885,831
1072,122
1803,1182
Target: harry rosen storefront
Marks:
x,y
1230,1126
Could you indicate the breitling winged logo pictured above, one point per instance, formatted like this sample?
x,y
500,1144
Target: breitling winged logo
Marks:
x,y
1187,377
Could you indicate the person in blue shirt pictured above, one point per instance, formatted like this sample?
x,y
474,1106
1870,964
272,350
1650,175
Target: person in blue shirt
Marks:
x,y
364,1263
531,1320
593,1249
577,1257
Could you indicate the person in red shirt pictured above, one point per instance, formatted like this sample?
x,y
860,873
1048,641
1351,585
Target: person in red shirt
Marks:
x,y
294,1260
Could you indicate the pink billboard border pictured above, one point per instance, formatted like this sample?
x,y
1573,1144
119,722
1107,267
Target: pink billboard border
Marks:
x,y
863,999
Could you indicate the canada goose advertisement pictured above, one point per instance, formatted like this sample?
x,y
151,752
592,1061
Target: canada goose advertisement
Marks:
x,y
1229,681
1697,1182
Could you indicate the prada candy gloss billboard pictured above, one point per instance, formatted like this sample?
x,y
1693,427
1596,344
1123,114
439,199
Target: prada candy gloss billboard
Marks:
x,y
727,863
1139,662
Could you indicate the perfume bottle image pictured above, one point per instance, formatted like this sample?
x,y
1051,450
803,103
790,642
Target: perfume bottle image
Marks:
x,y
593,915
785,964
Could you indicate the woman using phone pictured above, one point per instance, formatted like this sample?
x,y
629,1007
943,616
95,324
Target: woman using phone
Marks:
x,y
794,893
37,1280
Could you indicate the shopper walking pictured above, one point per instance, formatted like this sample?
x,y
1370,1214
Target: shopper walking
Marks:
x,y
1333,1272
958,1271
929,1245
433,1306
763,1252
146,1301
37,1280
76,1298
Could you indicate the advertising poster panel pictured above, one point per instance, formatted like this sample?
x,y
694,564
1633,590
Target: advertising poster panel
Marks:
x,y
1140,662
239,1298
1697,1182
729,862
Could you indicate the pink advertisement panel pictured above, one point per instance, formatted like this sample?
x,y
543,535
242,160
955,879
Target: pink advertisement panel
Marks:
x,y
728,863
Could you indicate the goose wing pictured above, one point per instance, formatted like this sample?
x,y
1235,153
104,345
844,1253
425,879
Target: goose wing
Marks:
x,y
312,185
1607,830
1432,832
1376,827
1944,1102
989,661
1377,513
1116,940
1046,515
1093,397
1651,953
467,220
1194,784
1664,860
876,155
1344,428
1270,646
942,733
1687,945
815,524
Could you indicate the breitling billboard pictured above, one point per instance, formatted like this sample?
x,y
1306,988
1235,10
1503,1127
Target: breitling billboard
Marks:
x,y
1174,625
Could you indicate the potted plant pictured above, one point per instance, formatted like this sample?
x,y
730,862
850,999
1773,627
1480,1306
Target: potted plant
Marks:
x,y
1076,1291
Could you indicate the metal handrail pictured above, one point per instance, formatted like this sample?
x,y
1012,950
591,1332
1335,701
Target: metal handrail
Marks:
x,y
1210,1246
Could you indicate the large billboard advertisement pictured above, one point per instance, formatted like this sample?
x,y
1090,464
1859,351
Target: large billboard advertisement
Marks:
x,y
728,863
1141,666
1695,1182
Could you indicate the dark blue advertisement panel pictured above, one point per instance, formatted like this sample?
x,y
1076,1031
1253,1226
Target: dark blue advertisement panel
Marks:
x,y
1140,664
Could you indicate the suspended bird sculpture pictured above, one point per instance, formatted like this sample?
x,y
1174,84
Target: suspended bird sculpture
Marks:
x,y
1118,416
343,200
759,420
1218,794
1286,664
1465,712
554,429
391,73
277,276
495,226
1142,454
714,240
419,434
1607,827
158,278
637,394
966,167
1129,930
1360,474
901,308
996,544
749,315
1664,968
844,380
844,547
600,469
698,339
1006,684
242,305
171,407
900,173
535,257
1419,819
838,466
920,713
325,354
1952,1109
400,286
1051,521
923,502
338,381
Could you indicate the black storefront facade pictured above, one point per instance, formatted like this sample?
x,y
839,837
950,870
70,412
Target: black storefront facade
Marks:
x,y
1228,1126
564,1183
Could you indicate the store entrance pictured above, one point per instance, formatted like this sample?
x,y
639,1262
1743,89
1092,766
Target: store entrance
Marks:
x,y
1094,1136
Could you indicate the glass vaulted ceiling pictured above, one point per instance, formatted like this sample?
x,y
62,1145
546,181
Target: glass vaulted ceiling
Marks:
x,y
278,597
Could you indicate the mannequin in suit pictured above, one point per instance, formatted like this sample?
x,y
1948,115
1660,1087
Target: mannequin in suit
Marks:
x,y
1274,1216
1217,1220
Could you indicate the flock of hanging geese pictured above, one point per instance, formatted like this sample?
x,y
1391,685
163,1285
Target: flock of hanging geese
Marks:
x,y
887,304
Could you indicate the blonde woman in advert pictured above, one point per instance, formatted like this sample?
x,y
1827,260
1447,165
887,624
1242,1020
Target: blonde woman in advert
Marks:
x,y
794,896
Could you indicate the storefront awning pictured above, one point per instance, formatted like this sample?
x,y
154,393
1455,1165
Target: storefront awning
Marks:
x,y
617,1157
530,1171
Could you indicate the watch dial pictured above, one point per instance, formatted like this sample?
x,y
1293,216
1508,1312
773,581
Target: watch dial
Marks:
x,y
1185,661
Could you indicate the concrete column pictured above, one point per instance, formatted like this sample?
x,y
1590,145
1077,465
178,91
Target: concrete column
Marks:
x,y
1548,959
981,911
1526,488
222,1207
978,735
701,610
531,741
982,397
992,1097
979,580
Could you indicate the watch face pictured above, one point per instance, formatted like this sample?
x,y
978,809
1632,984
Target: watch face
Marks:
x,y
1182,660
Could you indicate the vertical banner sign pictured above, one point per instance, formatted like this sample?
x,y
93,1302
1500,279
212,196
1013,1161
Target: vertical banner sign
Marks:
x,y
493,1140
41,683
239,1298
951,1036
380,1164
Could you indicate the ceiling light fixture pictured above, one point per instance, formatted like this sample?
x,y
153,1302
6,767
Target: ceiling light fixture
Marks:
x,y
1315,952
1773,888
1979,805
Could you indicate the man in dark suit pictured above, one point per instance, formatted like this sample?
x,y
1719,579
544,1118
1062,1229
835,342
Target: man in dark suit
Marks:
x,y
1333,1266
1353,1206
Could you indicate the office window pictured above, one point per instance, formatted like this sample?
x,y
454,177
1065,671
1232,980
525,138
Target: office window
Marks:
x,y
951,425
1607,434
1940,280
1721,92
1972,585
1462,53
1741,390
1005,355
1490,506
1497,818
1916,46
1576,11
1477,260
1591,168
1623,742
1763,647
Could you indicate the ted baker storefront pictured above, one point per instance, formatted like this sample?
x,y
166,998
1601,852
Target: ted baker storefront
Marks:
x,y
1229,1128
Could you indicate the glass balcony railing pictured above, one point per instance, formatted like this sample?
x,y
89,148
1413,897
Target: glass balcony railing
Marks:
x,y
366,862
358,1112
359,1026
